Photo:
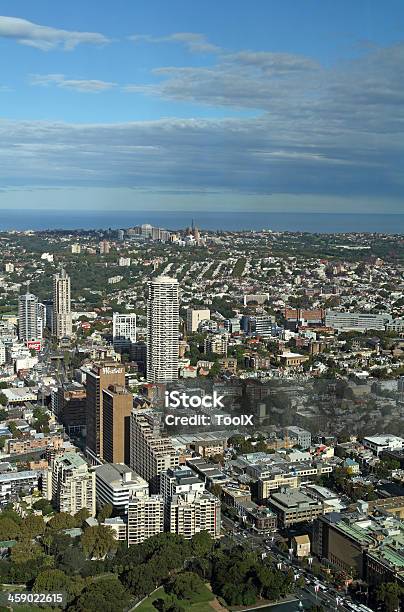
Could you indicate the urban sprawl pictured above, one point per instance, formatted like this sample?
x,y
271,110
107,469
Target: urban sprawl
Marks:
x,y
200,420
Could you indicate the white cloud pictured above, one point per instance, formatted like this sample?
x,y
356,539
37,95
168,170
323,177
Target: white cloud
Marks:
x,y
44,37
196,43
81,85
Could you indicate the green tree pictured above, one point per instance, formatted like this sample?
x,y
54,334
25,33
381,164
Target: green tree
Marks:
x,y
97,541
202,543
51,580
61,520
107,595
9,530
25,550
185,586
44,505
104,512
81,516
33,526
389,594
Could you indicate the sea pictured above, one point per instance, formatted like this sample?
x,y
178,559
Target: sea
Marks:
x,y
20,220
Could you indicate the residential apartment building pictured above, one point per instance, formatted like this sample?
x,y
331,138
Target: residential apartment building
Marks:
x,y
192,512
62,316
216,343
145,518
73,484
150,453
163,318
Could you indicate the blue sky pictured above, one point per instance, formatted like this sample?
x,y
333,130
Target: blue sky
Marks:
x,y
232,105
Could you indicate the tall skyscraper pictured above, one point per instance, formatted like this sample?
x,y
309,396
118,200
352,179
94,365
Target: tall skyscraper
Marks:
x,y
162,329
29,327
117,405
62,316
123,331
100,377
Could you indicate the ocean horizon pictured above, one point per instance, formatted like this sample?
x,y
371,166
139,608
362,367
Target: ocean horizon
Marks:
x,y
37,220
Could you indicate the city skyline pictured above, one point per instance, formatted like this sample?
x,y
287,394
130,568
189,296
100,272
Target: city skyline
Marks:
x,y
267,107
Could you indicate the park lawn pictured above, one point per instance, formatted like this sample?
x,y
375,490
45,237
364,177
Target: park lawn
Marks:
x,y
200,603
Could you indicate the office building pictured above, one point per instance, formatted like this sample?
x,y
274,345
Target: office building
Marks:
x,y
356,321
123,331
117,405
162,330
29,327
62,316
150,453
99,377
117,484
195,316
259,325
138,354
145,518
69,406
232,325
45,309
292,507
73,484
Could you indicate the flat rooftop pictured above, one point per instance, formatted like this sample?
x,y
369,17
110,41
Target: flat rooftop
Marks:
x,y
114,474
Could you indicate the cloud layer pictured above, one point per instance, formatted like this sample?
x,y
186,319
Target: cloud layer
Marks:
x,y
311,130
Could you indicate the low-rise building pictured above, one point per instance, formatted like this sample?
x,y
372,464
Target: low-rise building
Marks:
x,y
301,546
12,484
378,444
292,507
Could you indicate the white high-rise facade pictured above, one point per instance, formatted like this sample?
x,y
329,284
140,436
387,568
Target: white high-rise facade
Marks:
x,y
123,330
73,484
145,518
151,454
195,316
28,327
62,316
163,318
